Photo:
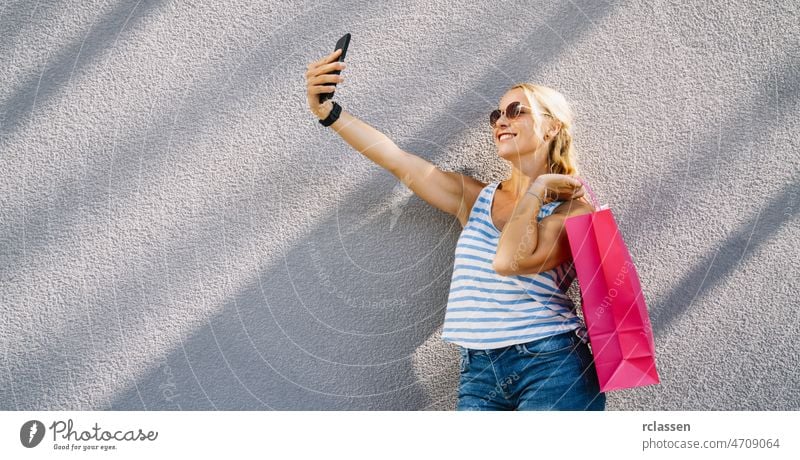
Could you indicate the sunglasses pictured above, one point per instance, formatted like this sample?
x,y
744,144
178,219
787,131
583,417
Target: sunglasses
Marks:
x,y
513,110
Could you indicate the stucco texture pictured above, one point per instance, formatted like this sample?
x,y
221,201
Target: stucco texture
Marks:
x,y
177,232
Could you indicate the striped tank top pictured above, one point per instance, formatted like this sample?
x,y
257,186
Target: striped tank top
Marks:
x,y
486,310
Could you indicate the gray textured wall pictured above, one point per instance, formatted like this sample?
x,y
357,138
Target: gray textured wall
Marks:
x,y
177,231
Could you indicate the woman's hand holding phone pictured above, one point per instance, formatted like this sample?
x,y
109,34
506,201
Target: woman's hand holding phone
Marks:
x,y
317,76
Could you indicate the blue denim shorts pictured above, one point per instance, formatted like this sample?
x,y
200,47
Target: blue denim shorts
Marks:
x,y
553,373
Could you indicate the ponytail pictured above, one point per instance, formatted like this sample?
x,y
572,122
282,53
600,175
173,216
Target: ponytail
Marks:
x,y
560,158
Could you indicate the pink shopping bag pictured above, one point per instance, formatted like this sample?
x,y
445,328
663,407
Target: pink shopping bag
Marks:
x,y
613,304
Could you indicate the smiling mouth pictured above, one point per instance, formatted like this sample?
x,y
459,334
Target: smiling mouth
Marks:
x,y
506,136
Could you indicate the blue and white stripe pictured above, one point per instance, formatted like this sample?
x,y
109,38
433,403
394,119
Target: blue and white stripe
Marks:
x,y
486,310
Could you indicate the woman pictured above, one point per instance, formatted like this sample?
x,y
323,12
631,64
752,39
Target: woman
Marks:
x,y
522,345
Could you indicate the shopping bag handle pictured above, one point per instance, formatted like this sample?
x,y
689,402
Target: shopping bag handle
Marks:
x,y
595,202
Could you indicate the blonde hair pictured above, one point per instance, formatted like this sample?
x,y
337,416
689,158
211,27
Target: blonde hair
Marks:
x,y
561,158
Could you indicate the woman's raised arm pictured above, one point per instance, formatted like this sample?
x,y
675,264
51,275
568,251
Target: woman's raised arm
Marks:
x,y
450,192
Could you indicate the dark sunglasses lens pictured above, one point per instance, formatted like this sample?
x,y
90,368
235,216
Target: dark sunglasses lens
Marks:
x,y
494,116
513,110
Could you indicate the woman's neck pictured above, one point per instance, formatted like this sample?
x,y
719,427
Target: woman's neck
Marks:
x,y
523,175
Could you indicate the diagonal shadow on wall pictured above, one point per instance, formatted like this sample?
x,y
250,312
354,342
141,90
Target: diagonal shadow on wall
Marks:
x,y
231,379
226,330
43,84
751,235
74,203
14,15
89,193
712,269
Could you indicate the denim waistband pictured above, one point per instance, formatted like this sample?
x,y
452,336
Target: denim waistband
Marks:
x,y
574,335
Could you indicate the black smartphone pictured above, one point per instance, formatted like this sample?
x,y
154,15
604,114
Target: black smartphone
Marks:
x,y
342,44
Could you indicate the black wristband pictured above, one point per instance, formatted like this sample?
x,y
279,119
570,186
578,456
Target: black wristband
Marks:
x,y
333,115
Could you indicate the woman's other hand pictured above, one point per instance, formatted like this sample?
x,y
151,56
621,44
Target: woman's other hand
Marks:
x,y
557,187
316,77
